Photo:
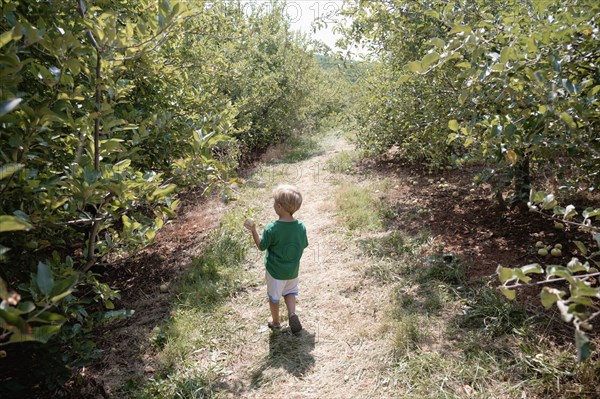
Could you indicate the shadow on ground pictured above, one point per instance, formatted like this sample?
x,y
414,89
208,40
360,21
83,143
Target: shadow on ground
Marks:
x,y
289,352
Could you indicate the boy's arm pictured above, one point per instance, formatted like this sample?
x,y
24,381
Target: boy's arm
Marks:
x,y
250,225
255,237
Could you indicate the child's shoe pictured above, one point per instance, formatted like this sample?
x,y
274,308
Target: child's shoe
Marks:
x,y
295,325
273,326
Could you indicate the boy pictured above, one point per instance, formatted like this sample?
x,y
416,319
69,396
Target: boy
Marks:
x,y
284,240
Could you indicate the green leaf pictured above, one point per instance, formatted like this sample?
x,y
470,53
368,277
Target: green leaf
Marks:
x,y
582,300
453,125
512,157
62,288
549,202
429,59
14,34
8,105
459,29
507,54
570,212
163,191
582,342
451,138
8,169
510,294
560,271
121,166
3,290
10,320
568,119
127,223
6,37
521,276
499,67
549,296
581,247
44,279
415,66
464,64
567,84
90,175
38,334
537,196
437,42
532,268
531,46
575,265
505,274
584,290
13,223
49,318
590,212
25,307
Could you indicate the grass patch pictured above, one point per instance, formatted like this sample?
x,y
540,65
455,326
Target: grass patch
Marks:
x,y
342,162
441,375
187,383
456,338
198,319
426,299
391,253
409,333
301,147
358,208
491,313
216,273
445,268
392,245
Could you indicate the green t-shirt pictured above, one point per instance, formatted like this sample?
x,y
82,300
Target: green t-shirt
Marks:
x,y
284,242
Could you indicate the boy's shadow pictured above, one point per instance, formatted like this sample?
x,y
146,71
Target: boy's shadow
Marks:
x,y
287,351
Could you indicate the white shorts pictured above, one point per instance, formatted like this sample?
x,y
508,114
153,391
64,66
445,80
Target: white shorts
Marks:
x,y
280,288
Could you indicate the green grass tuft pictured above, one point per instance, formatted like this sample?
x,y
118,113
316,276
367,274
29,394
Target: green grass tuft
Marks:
x,y
301,147
358,208
446,268
409,333
186,383
392,245
343,162
491,313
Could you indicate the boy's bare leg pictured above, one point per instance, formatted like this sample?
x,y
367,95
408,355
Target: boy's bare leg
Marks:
x,y
274,307
290,302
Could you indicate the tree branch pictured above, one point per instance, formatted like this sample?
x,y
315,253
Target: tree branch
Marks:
x,y
564,221
554,280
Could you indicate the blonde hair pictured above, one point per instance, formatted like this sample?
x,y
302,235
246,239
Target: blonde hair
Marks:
x,y
288,197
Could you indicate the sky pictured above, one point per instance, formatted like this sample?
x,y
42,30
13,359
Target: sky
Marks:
x,y
302,13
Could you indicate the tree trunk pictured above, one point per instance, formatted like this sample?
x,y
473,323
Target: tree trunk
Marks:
x,y
522,182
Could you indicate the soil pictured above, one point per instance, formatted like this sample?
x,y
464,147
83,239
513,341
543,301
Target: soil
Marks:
x,y
123,343
469,220
341,351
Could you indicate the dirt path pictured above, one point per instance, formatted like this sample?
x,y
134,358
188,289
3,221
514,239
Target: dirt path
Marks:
x,y
342,350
